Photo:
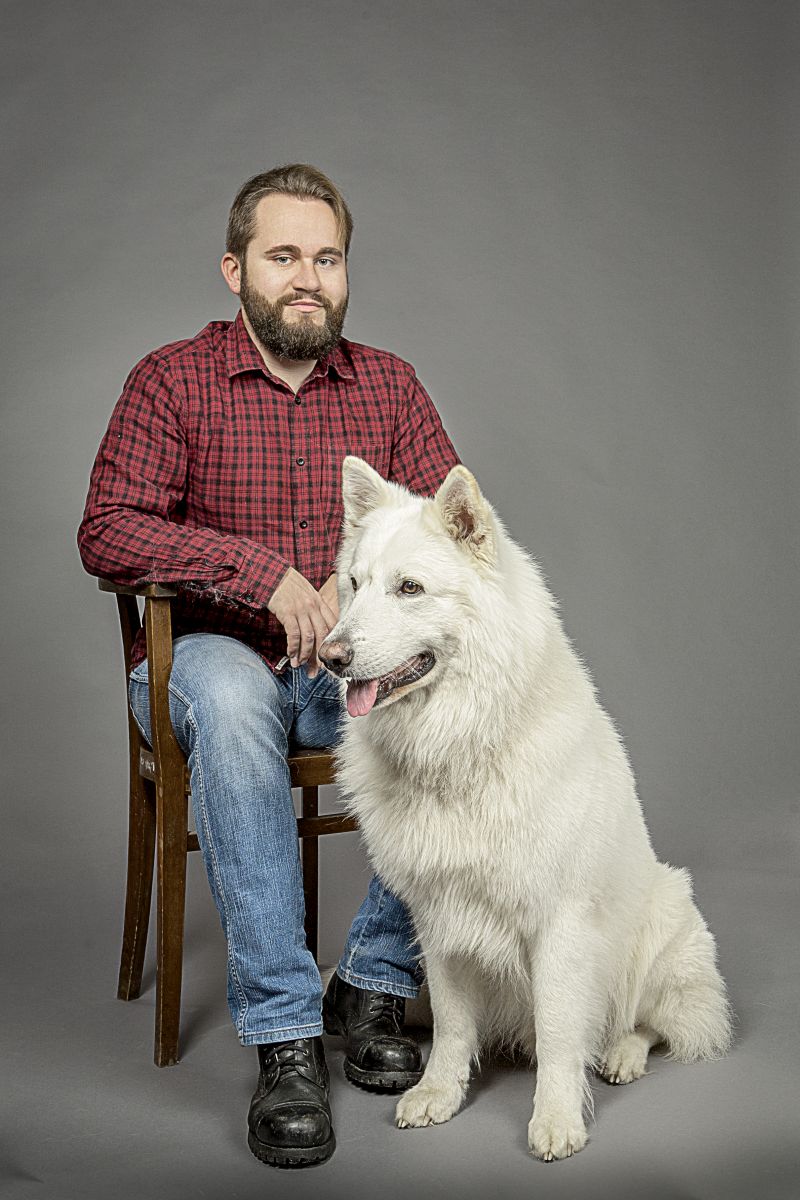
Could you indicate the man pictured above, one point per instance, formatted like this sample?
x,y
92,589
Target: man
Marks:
x,y
220,472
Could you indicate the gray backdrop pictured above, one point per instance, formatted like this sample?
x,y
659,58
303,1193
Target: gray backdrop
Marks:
x,y
578,221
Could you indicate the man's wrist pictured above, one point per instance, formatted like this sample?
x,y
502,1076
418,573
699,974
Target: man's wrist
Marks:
x,y
259,578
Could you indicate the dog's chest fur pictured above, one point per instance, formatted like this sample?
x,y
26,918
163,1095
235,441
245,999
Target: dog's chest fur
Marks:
x,y
463,868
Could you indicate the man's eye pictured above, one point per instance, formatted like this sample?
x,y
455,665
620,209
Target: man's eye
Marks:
x,y
410,588
281,259
325,262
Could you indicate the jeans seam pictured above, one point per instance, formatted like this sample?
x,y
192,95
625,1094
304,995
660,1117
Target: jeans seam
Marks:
x,y
142,683
243,1004
354,949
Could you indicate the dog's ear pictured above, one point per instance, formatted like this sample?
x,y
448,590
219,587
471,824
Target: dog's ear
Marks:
x,y
362,488
466,515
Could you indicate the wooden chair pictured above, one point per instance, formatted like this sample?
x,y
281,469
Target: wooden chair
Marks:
x,y
158,822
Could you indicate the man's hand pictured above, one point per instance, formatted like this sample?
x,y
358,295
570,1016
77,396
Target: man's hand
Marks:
x,y
305,614
330,594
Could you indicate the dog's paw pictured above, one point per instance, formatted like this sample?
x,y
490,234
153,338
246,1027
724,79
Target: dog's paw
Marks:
x,y
624,1061
555,1136
428,1104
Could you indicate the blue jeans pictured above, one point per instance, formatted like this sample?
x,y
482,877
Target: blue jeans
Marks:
x,y
233,717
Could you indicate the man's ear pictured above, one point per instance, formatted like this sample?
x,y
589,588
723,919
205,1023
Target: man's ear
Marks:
x,y
231,269
466,515
362,488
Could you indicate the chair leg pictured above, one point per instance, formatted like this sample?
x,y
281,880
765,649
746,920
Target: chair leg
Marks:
x,y
139,886
171,815
310,858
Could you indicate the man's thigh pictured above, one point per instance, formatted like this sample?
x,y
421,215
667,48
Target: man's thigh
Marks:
x,y
217,685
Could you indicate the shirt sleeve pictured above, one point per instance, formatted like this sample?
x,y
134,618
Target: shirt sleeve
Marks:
x,y
131,532
422,453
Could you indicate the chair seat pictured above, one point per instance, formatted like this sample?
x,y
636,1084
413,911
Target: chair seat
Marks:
x,y
307,768
147,769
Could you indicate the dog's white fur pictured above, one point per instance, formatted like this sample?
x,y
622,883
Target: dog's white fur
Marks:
x,y
496,799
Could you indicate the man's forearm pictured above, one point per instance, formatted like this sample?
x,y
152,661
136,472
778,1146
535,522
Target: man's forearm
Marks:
x,y
136,548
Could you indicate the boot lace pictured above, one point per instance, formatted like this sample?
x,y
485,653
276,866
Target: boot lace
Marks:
x,y
381,1004
290,1057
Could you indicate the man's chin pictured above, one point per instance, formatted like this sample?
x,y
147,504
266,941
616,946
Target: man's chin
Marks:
x,y
318,315
296,344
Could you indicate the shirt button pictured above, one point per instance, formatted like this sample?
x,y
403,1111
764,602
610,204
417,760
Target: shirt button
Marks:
x,y
248,597
304,524
300,462
297,400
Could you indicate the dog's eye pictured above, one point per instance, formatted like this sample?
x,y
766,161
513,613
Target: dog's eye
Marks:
x,y
353,584
409,588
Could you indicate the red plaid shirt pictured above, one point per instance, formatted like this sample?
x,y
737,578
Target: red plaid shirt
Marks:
x,y
213,475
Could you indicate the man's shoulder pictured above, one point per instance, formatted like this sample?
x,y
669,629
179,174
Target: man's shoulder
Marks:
x,y
364,358
207,344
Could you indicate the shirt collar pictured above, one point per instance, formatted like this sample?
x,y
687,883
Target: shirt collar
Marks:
x,y
242,355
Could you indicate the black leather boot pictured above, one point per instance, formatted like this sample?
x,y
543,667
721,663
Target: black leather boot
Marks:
x,y
290,1118
377,1055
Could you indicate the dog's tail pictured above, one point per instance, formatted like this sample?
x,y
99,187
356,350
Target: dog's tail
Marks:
x,y
683,996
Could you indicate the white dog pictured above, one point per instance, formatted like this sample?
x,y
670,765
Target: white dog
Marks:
x,y
496,799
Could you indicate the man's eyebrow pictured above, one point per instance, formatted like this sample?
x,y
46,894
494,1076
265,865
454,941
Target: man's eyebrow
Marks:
x,y
330,251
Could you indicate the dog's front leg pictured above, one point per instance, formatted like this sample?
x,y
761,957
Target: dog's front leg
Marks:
x,y
455,1002
565,1008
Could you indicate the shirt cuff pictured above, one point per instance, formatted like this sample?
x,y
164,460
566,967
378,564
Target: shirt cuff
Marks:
x,y
258,576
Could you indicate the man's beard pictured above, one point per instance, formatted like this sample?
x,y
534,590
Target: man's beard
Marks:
x,y
300,340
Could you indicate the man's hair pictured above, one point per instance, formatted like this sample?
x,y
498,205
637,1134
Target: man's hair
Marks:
x,y
296,179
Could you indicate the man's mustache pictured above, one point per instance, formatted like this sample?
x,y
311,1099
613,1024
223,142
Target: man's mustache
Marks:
x,y
310,298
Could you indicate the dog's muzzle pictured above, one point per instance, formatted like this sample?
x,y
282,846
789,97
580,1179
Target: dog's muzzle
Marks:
x,y
364,694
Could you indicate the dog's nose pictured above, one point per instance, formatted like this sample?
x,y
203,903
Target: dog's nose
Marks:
x,y
336,656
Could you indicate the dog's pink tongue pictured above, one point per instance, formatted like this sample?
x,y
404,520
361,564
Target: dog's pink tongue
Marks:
x,y
361,697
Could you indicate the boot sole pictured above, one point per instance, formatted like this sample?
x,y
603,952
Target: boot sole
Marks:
x,y
370,1081
288,1156
380,1081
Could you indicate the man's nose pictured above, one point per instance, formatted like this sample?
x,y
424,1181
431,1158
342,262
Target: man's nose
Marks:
x,y
306,278
336,656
